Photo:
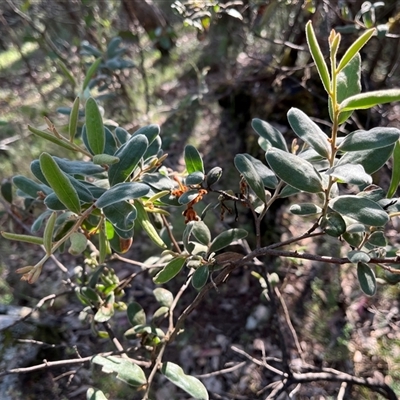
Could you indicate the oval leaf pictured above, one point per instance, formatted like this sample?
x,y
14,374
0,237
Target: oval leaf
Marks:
x,y
163,296
170,270
246,168
225,238
295,171
136,314
309,131
269,133
333,224
200,276
193,160
268,177
356,256
189,384
361,209
305,209
201,232
60,183
126,371
122,191
372,139
129,156
350,173
366,278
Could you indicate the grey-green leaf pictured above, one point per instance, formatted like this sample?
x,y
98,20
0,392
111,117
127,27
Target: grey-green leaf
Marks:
x,y
129,156
122,191
305,209
269,133
369,99
189,384
170,270
268,176
395,179
361,209
122,215
201,232
225,238
193,160
356,256
200,276
136,314
371,160
309,131
126,371
163,296
333,224
250,174
366,278
60,183
350,173
94,127
295,171
372,139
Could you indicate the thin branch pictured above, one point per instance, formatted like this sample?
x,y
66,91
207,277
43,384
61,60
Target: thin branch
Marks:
x,y
222,371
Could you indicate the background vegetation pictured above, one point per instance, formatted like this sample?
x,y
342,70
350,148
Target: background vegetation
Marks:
x,y
202,71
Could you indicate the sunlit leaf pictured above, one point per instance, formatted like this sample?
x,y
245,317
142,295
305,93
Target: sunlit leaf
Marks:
x,y
78,243
395,179
201,232
126,370
366,140
121,214
188,196
366,278
193,160
51,138
369,99
295,171
361,209
269,133
163,296
60,183
106,310
95,394
196,178
354,48
249,173
350,173
305,209
189,384
170,270
317,56
309,131
22,238
225,238
378,239
94,127
356,256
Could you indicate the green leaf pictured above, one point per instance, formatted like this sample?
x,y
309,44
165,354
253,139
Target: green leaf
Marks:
x,y
371,160
201,232
148,227
121,214
101,159
355,48
367,100
366,278
378,239
268,177
309,131
366,140
91,71
106,310
60,183
350,173
6,191
213,176
193,160
356,256
348,84
121,192
136,314
48,233
170,270
188,196
196,178
95,394
78,243
395,179
163,296
73,119
22,238
126,370
200,276
269,133
51,138
94,127
295,171
113,45
317,56
247,169
225,238
333,224
30,187
74,167
189,384
361,209
305,209
130,155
